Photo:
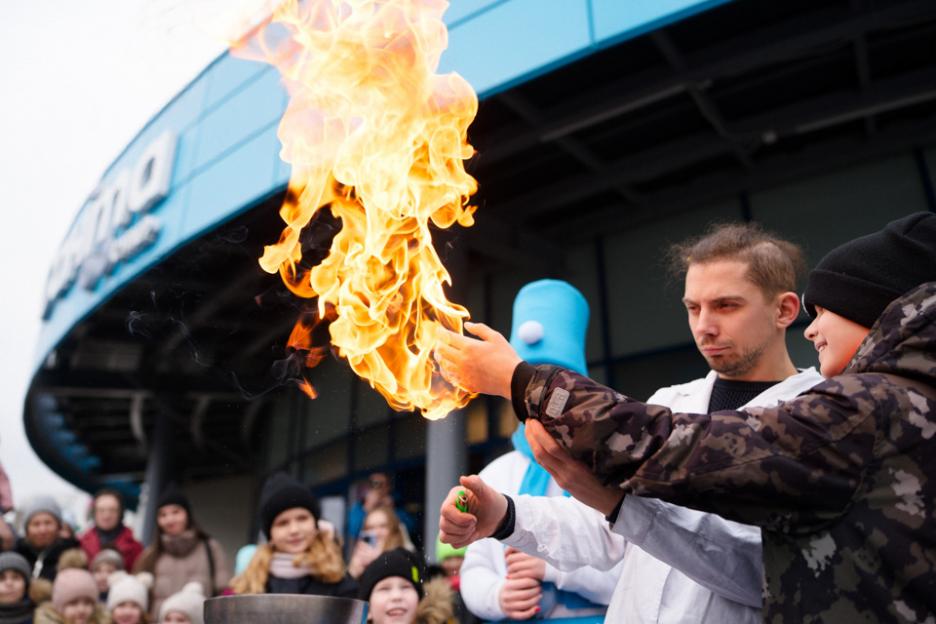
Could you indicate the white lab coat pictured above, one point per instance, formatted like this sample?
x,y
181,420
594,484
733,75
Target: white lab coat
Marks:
x,y
679,565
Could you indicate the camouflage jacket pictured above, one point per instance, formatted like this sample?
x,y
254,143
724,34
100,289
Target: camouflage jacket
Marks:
x,y
842,479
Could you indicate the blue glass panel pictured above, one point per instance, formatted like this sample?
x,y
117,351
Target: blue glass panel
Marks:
x,y
230,184
248,110
515,39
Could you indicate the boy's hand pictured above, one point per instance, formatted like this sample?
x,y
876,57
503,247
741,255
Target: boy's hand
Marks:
x,y
483,366
572,476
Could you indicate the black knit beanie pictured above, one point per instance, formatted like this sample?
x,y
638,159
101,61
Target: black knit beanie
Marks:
x,y
172,496
282,492
396,562
859,279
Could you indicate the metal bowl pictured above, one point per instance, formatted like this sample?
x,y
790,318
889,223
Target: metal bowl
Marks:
x,y
284,609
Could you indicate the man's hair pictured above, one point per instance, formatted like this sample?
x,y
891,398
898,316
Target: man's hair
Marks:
x,y
774,264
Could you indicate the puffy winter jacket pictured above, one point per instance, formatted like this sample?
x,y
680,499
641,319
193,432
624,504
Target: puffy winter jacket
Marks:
x,y
840,479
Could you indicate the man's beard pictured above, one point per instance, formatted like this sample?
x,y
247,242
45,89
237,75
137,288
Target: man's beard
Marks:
x,y
738,365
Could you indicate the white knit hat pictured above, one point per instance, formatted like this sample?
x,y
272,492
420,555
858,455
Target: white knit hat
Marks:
x,y
127,588
190,601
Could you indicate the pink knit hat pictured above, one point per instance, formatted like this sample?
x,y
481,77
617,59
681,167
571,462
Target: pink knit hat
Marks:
x,y
72,584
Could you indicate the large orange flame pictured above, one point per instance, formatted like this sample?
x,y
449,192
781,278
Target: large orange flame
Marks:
x,y
380,139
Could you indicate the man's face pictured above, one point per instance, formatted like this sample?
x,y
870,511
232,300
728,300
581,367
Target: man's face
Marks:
x,y
731,319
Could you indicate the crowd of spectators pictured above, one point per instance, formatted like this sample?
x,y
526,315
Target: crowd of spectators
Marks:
x,y
104,574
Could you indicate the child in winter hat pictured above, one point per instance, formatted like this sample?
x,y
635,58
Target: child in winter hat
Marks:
x,y
15,605
395,588
299,557
74,600
128,598
105,564
185,607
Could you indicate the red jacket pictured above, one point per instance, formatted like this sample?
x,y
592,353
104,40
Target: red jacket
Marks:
x,y
125,544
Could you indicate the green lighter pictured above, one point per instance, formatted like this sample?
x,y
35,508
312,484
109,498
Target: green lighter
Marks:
x,y
461,501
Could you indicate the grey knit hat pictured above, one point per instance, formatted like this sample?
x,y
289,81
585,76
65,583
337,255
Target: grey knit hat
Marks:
x,y
40,504
108,555
17,562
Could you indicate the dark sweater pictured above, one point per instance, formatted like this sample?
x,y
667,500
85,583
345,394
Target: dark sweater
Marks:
x,y
311,586
49,557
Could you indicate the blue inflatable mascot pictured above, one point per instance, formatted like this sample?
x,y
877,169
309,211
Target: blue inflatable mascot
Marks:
x,y
550,318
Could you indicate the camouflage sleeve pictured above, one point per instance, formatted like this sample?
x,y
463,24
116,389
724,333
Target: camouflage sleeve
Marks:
x,y
793,467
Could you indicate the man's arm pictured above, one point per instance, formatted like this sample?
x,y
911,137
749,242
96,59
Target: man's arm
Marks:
x,y
787,468
723,556
564,532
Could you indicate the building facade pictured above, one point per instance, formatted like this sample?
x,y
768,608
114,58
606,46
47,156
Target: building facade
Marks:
x,y
606,132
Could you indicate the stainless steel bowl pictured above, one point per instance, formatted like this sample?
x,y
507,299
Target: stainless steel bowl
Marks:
x,y
284,609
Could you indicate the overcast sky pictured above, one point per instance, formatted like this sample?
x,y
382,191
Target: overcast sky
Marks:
x,y
79,80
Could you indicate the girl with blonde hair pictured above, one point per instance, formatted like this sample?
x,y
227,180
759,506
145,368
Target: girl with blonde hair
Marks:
x,y
298,559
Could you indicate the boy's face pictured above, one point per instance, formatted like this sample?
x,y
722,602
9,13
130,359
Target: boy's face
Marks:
x,y
393,601
12,587
836,339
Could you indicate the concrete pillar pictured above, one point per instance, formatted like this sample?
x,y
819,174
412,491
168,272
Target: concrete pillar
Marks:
x,y
446,447
446,460
157,473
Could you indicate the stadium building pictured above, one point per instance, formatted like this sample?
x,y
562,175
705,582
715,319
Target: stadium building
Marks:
x,y
606,132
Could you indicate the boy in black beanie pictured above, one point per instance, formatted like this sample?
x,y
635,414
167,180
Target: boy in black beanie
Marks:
x,y
839,479
394,586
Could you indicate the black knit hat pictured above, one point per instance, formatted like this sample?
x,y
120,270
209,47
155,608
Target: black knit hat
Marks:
x,y
282,492
396,562
172,496
859,279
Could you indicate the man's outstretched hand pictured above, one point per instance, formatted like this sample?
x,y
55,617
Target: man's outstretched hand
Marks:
x,y
481,366
572,476
486,510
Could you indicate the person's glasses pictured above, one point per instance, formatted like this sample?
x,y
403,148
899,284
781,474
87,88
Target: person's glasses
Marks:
x,y
377,483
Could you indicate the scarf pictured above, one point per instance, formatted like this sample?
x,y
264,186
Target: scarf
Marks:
x,y
180,545
22,611
284,566
109,537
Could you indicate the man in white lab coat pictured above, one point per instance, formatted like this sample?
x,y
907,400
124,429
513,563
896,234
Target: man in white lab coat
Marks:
x,y
679,565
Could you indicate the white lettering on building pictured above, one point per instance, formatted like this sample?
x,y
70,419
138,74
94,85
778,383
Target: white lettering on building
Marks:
x,y
114,225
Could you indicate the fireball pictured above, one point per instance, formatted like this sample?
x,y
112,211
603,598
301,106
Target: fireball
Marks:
x,y
378,138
